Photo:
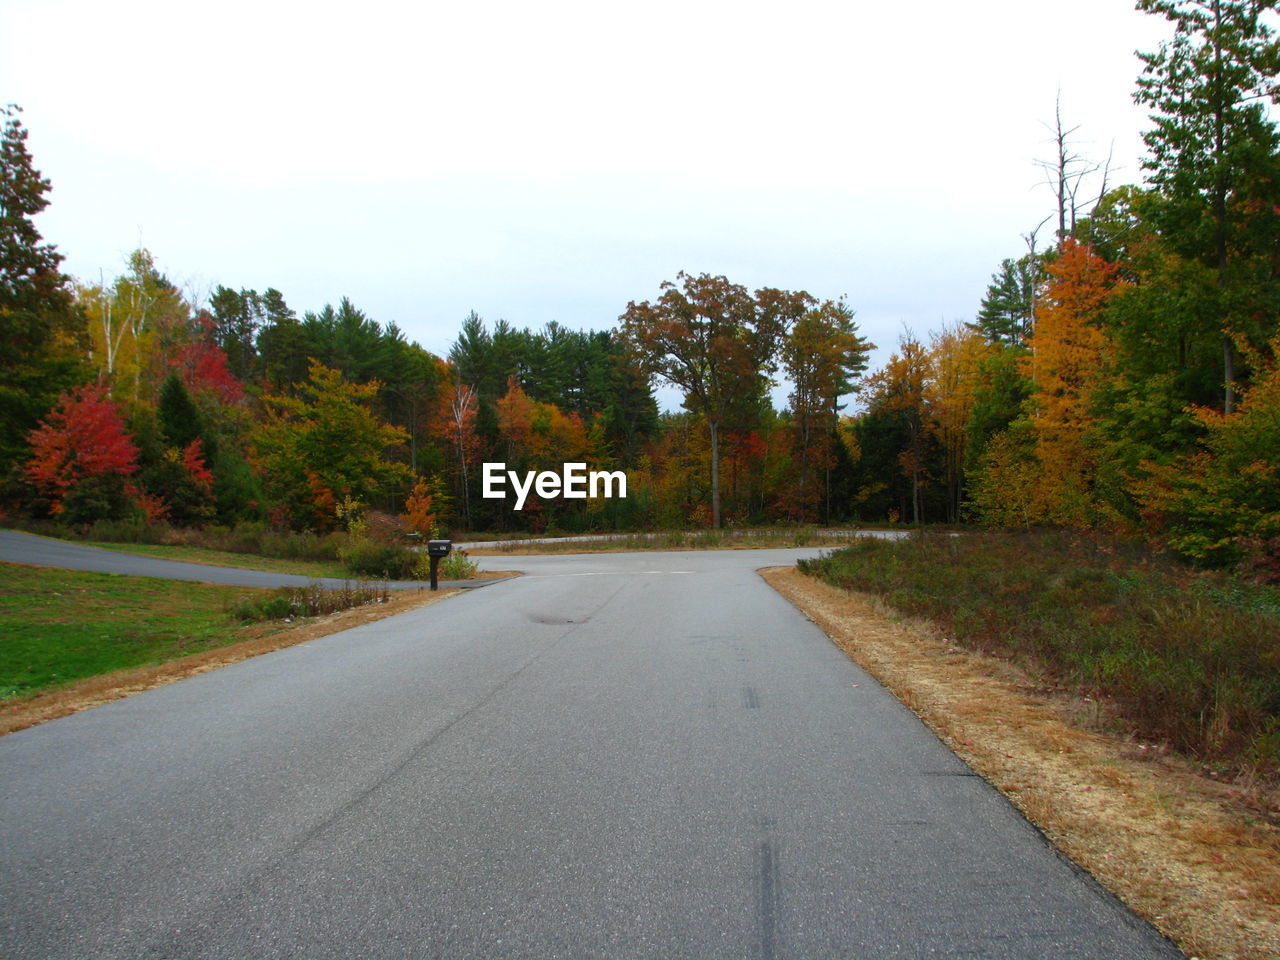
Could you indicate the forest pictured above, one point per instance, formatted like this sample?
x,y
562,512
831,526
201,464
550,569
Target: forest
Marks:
x,y
1125,376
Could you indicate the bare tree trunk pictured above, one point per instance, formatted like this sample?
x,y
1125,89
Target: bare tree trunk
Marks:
x,y
1065,172
1220,218
464,398
1030,239
1061,191
1229,375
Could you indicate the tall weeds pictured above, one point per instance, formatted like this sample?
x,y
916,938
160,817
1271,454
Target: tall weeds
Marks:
x,y
1184,657
313,600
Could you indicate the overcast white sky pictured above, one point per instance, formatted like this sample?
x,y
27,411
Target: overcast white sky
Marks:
x,y
554,160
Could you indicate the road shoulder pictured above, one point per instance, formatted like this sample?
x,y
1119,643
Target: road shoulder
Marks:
x,y
1182,852
95,691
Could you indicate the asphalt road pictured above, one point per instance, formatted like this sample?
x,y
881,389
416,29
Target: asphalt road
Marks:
x,y
35,551
624,755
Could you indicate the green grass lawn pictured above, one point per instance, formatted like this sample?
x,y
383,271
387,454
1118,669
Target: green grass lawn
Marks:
x,y
251,561
57,626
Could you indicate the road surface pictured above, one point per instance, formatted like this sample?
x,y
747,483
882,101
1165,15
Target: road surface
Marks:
x,y
36,551
646,755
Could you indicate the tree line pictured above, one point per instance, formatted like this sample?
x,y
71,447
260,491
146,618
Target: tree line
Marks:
x,y
1124,376
126,398
1127,375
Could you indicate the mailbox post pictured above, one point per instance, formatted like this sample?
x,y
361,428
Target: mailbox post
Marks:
x,y
435,550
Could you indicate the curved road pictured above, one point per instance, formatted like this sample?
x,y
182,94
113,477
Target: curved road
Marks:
x,y
623,755
36,551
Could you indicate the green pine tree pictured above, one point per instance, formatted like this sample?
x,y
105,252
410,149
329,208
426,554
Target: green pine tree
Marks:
x,y
41,332
1215,154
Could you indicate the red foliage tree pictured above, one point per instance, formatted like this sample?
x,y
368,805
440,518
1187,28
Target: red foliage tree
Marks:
x,y
203,367
194,462
82,438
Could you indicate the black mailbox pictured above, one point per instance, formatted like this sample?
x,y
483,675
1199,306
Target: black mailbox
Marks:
x,y
435,550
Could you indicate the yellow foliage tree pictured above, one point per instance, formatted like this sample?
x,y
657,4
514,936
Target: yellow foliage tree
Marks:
x,y
950,392
1068,355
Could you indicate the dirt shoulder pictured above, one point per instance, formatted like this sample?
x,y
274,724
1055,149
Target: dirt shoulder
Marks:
x,y
259,639
1188,854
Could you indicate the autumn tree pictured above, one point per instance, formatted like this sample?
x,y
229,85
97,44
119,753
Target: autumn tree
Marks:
x,y
716,342
457,425
204,367
1068,354
175,454
137,324
822,355
541,436
955,358
424,507
40,329
896,395
579,371
326,444
82,456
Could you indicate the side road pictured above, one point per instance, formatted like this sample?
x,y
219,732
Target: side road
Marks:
x,y
36,551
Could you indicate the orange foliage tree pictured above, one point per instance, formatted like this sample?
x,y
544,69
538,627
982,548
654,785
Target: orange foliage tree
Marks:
x,y
423,508
1067,359
716,342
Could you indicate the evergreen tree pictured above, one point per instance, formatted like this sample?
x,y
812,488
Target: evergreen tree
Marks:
x,y
1214,153
40,328
471,352
1007,313
237,319
179,417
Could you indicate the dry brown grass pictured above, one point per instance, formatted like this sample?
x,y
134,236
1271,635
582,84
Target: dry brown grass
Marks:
x,y
1197,858
258,639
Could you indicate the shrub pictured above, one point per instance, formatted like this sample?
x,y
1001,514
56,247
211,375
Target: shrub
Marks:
x,y
312,600
130,530
1186,657
458,566
379,560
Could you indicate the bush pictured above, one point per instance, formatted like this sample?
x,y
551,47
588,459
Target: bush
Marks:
x,y
458,566
379,560
131,530
1185,657
309,601
256,538
96,499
